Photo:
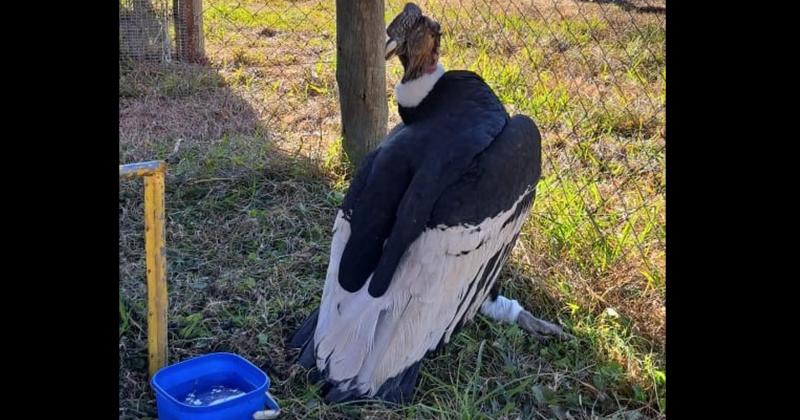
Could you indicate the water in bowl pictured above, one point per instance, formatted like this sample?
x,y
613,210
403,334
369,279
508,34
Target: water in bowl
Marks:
x,y
214,395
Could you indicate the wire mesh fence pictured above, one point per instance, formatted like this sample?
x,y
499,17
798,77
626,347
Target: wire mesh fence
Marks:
x,y
144,31
591,74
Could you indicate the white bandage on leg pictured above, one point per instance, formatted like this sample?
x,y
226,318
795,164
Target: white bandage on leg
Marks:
x,y
502,309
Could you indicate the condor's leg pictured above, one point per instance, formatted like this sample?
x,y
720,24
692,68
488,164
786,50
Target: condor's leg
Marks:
x,y
502,309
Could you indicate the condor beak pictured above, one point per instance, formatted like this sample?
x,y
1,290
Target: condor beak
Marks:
x,y
391,46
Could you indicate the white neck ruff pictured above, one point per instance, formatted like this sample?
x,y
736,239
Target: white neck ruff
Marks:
x,y
411,93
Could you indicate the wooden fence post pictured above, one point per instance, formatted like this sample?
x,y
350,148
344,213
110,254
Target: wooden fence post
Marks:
x,y
361,75
189,43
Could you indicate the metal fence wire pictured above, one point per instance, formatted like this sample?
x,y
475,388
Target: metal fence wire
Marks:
x,y
144,31
590,73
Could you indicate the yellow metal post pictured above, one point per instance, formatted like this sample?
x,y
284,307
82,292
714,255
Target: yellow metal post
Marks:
x,y
155,253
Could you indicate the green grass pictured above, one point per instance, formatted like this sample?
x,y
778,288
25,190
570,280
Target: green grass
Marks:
x,y
259,171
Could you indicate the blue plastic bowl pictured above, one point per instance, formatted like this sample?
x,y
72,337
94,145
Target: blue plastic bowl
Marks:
x,y
173,383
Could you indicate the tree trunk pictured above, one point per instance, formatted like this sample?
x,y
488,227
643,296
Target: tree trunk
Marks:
x,y
361,75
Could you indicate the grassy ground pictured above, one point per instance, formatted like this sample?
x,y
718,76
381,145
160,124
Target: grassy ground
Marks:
x,y
256,174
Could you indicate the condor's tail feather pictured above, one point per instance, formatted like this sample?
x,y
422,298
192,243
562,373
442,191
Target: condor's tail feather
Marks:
x,y
398,389
303,339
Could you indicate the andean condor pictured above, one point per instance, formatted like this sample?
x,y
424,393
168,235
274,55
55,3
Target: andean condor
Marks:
x,y
428,222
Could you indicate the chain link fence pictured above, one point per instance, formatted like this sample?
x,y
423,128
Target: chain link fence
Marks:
x,y
591,74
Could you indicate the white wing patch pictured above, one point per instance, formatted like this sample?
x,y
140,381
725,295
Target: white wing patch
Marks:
x,y
362,341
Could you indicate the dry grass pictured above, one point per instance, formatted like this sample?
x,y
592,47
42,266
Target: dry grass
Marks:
x,y
252,191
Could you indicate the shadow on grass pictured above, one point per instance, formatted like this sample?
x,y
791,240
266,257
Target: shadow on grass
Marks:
x,y
248,236
247,226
